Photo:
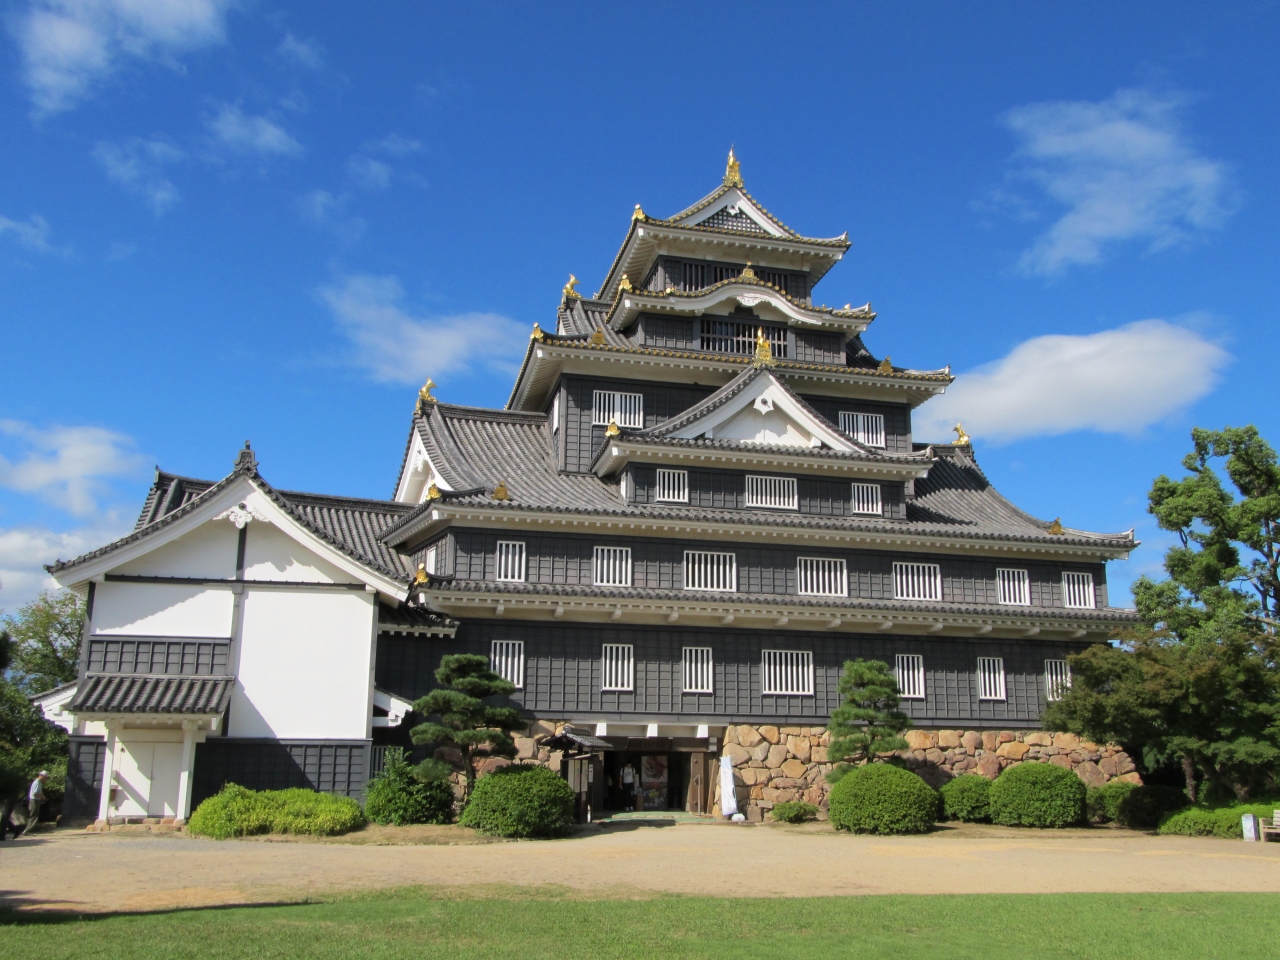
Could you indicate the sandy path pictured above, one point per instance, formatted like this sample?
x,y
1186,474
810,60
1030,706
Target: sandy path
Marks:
x,y
90,872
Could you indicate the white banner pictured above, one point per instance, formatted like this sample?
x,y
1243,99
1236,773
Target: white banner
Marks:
x,y
728,799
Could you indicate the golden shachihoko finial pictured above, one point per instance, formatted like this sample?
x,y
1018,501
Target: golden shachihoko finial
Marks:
x,y
537,333
732,172
571,288
886,366
1055,528
500,491
612,429
433,492
420,575
424,395
638,214
764,351
962,438
625,284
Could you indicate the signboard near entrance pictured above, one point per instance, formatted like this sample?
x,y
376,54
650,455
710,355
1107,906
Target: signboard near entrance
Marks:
x,y
654,771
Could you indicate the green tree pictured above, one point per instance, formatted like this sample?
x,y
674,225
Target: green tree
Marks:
x,y
466,721
28,744
46,641
868,722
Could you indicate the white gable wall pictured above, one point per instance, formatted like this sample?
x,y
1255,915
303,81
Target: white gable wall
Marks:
x,y
271,554
208,550
162,610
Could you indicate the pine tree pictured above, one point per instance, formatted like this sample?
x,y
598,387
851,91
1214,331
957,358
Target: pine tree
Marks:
x,y
869,721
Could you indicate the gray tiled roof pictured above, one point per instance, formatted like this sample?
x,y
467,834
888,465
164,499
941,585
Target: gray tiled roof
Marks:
x,y
130,693
412,619
169,492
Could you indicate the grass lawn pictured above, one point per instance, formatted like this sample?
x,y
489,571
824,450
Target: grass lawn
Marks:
x,y
512,922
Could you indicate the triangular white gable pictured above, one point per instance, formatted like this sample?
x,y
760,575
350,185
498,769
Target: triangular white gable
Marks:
x,y
418,473
765,412
740,203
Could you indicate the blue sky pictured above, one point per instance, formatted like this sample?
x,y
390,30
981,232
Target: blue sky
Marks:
x,y
225,220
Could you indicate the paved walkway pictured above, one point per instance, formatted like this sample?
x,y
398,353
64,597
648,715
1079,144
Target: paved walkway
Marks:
x,y
120,872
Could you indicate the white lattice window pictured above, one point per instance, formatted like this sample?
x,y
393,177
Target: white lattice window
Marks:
x,y
917,581
787,673
776,492
433,562
673,486
506,659
1057,679
866,428
624,409
697,670
617,666
710,570
1077,590
821,577
611,567
866,499
1015,587
990,678
509,559
909,672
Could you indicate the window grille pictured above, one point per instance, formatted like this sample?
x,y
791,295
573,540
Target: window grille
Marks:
x,y
821,577
990,678
510,561
433,562
909,671
693,276
736,336
722,272
611,567
1015,587
778,493
624,409
866,499
709,570
1057,679
917,581
776,278
866,428
617,663
787,673
1077,590
506,659
673,486
697,670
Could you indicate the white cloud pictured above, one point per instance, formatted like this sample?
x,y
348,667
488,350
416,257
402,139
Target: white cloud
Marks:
x,y
32,234
68,45
396,347
1119,170
66,466
302,53
25,550
323,209
249,134
1114,381
369,173
138,165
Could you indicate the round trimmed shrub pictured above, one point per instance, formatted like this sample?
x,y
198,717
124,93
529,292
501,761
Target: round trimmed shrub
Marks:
x,y
881,798
1103,803
793,811
967,798
1144,807
1037,795
239,812
396,797
520,801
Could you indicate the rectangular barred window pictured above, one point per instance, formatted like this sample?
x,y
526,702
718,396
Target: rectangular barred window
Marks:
x,y
787,673
1015,587
1077,590
821,577
776,492
909,672
673,486
506,659
624,409
617,662
709,570
866,499
866,428
697,670
917,581
510,561
1057,679
611,567
990,678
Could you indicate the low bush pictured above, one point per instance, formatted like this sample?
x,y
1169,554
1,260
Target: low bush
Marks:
x,y
881,798
967,798
240,812
395,796
1103,803
520,801
794,811
1223,821
1037,795
1143,808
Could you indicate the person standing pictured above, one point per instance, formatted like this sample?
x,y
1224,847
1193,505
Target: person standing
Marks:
x,y
35,799
629,784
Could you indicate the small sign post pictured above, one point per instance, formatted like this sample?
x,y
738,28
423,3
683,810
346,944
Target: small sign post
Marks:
x,y
1249,827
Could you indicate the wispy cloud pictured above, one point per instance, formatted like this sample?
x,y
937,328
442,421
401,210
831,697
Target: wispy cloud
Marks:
x,y
323,209
369,167
301,53
244,133
25,550
394,346
68,467
1116,171
138,165
67,46
1114,381
31,234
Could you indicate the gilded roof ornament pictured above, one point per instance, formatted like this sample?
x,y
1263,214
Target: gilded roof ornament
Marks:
x,y
433,492
747,272
420,575
537,333
764,351
424,395
732,171
612,429
570,290
639,214
962,438
886,366
500,491
597,338
1055,528
624,285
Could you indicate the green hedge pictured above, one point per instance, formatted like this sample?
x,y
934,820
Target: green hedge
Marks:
x,y
1145,807
520,801
240,812
1103,803
967,798
881,798
794,811
395,796
1222,822
1037,795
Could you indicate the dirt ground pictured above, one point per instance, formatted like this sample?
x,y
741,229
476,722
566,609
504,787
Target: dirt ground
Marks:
x,y
71,870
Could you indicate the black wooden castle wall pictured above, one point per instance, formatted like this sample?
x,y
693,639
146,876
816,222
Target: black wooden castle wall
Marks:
x,y
662,401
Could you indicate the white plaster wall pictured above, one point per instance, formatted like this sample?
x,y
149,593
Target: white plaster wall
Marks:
x,y
162,610
207,551
303,668
271,554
